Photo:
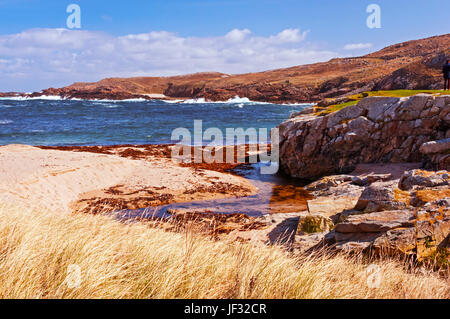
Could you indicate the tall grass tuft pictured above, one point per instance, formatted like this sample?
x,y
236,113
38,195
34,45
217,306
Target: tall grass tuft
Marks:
x,y
120,260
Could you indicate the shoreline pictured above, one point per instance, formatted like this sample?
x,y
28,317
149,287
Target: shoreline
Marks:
x,y
139,98
100,178
163,151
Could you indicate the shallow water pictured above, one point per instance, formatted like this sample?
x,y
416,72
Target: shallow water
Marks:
x,y
277,193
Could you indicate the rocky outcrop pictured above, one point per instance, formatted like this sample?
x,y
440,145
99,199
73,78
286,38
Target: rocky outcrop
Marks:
x,y
418,233
380,211
415,75
396,211
97,93
9,94
376,130
388,218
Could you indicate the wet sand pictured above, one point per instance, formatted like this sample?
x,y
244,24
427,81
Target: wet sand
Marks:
x,y
96,179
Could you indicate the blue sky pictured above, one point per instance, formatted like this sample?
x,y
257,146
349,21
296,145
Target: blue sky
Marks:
x,y
154,37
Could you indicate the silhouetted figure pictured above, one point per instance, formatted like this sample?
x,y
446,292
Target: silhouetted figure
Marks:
x,y
446,71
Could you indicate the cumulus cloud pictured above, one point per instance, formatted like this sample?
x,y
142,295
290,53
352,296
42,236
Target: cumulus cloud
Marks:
x,y
290,35
40,58
357,46
237,35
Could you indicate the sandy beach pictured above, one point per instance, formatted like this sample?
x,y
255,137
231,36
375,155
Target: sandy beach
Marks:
x,y
65,181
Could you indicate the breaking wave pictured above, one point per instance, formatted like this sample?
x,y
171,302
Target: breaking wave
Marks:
x,y
26,98
235,100
59,98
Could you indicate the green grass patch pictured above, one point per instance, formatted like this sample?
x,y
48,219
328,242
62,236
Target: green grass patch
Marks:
x,y
336,107
404,93
354,99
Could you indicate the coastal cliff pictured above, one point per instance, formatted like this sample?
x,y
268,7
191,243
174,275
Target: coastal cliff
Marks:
x,y
410,65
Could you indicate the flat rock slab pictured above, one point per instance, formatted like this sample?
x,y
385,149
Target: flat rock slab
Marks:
x,y
433,147
329,206
377,222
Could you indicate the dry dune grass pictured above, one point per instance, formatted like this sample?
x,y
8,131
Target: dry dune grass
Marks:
x,y
135,261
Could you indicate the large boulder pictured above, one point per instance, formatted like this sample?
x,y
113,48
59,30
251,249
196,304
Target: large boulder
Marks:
x,y
376,130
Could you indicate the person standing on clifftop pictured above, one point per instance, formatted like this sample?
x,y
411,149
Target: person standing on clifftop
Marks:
x,y
446,71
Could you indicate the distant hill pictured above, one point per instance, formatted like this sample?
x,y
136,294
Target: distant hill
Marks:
x,y
409,65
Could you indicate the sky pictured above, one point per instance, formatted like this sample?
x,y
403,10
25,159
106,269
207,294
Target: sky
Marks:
x,y
38,49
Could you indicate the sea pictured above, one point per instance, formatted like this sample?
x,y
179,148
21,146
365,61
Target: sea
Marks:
x,y
57,122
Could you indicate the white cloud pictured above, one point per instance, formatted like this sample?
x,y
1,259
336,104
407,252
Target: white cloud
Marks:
x,y
237,35
357,46
290,35
40,58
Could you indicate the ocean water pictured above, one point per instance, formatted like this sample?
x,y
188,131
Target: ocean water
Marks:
x,y
53,121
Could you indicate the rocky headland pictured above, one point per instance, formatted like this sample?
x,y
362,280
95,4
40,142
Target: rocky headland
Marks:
x,y
410,65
